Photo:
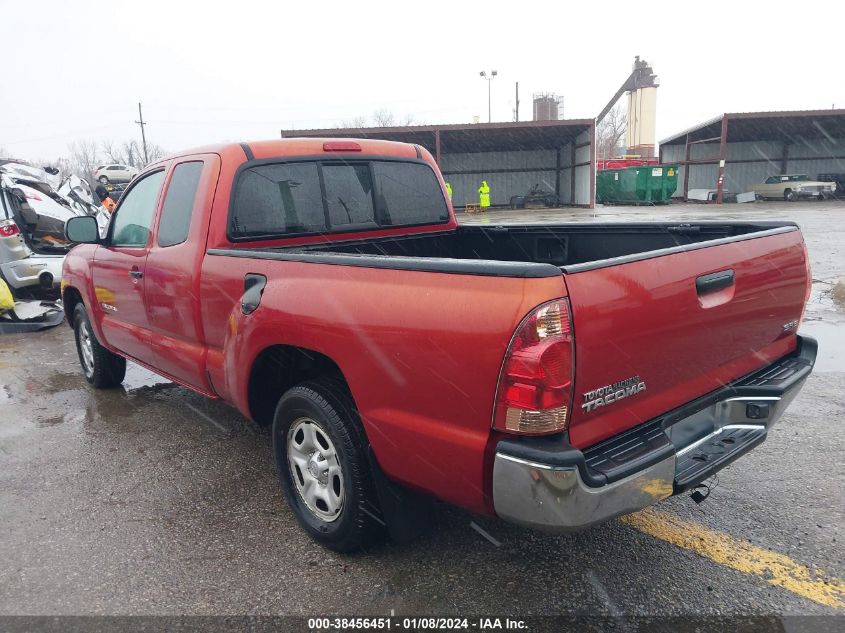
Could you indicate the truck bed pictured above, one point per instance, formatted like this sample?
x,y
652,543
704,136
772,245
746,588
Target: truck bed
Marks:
x,y
571,247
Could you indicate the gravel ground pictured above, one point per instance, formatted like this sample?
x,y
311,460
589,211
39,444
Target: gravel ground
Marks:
x,y
152,500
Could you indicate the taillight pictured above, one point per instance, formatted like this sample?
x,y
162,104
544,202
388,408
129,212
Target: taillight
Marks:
x,y
535,386
341,146
8,228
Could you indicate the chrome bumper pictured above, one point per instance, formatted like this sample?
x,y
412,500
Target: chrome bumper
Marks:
x,y
551,496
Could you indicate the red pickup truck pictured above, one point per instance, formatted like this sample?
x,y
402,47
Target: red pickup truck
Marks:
x,y
553,375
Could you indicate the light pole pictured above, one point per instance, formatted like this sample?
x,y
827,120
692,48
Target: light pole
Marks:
x,y
489,79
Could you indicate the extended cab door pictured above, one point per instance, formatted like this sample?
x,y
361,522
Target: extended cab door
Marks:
x,y
120,266
172,277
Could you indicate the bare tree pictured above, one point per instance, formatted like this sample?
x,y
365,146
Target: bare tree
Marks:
x,y
610,131
355,122
83,160
131,153
384,118
154,152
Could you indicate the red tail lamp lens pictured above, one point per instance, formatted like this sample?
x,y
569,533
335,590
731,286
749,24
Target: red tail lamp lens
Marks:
x,y
535,388
341,146
8,228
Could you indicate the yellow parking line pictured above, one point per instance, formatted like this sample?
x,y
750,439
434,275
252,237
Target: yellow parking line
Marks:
x,y
775,568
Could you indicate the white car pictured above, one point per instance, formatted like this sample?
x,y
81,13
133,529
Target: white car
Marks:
x,y
794,186
115,173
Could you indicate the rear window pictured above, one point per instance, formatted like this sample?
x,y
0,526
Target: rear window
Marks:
x,y
328,196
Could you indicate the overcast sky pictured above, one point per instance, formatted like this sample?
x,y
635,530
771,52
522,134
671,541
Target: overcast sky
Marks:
x,y
212,71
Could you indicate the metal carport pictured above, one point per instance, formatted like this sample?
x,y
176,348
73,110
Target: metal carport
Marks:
x,y
737,150
512,157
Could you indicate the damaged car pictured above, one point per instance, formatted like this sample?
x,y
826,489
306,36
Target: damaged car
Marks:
x,y
33,213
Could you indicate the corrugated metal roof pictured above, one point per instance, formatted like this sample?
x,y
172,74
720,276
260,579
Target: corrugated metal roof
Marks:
x,y
467,137
787,125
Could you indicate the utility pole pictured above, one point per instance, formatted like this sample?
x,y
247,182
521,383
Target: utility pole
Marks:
x,y
516,109
140,122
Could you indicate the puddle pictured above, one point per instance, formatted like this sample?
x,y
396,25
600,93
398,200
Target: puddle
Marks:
x,y
831,338
69,418
57,383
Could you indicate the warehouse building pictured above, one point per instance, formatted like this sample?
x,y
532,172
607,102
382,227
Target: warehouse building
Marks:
x,y
750,146
511,157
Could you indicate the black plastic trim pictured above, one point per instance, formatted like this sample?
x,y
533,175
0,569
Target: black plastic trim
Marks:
x,y
253,291
689,472
247,151
555,451
480,267
714,281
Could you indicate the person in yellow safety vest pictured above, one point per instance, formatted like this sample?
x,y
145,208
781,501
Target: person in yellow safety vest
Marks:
x,y
484,194
449,191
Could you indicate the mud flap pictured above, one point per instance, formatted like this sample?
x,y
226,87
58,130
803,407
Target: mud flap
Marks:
x,y
407,514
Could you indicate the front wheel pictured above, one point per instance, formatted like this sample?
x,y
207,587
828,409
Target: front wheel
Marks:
x,y
102,368
789,195
321,458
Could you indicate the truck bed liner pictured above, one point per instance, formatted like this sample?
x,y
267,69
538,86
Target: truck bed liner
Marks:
x,y
520,250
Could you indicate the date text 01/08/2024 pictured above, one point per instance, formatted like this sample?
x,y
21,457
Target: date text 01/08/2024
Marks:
x,y
415,623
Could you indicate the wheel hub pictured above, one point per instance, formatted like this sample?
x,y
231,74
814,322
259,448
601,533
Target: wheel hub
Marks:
x,y
315,469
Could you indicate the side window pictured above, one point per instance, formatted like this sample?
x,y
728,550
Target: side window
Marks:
x,y
134,216
178,203
277,199
349,194
410,192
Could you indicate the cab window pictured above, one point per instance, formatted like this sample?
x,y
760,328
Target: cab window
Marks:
x,y
134,217
179,203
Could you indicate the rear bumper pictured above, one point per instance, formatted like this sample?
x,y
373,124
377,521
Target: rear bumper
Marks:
x,y
44,270
544,483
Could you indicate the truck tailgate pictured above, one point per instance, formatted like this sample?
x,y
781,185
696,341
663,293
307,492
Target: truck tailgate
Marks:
x,y
654,332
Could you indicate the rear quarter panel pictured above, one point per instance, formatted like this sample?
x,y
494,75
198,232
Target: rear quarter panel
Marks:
x,y
421,353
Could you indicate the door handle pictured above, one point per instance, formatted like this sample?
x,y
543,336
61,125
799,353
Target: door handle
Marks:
x,y
136,274
715,281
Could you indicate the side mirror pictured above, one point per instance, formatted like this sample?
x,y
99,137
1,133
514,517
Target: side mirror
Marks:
x,y
82,230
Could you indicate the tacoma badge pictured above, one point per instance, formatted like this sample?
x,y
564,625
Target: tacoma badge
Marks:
x,y
612,393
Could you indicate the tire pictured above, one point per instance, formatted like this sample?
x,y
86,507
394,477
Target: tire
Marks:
x,y
101,368
789,195
331,489
104,180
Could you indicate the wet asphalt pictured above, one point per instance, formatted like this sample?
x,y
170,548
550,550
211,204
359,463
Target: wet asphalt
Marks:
x,y
149,499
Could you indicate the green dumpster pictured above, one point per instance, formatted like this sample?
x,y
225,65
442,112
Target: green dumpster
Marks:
x,y
645,184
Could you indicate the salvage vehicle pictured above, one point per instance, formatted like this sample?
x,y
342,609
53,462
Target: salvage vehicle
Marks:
x,y
555,376
32,244
794,186
35,204
537,196
115,173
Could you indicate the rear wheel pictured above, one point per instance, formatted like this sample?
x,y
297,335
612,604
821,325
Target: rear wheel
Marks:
x,y
102,368
321,459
